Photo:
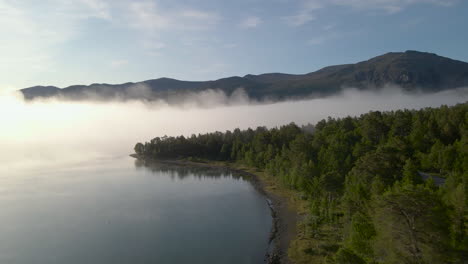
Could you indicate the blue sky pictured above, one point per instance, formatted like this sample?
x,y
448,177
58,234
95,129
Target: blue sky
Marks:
x,y
65,42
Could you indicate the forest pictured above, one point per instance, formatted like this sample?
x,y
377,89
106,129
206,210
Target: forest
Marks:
x,y
393,183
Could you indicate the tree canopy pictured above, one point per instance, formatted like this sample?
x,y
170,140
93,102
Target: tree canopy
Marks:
x,y
362,174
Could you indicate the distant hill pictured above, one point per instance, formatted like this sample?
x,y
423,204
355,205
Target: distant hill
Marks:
x,y
411,70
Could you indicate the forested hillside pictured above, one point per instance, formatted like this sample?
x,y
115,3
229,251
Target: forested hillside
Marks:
x,y
365,176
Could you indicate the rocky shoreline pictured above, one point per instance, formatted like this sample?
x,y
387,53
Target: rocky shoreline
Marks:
x,y
284,220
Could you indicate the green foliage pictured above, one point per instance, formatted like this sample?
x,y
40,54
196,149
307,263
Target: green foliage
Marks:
x,y
412,226
410,173
347,256
361,236
139,148
456,196
363,174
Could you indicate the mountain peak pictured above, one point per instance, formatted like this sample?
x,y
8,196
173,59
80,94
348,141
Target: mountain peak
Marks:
x,y
411,70
410,52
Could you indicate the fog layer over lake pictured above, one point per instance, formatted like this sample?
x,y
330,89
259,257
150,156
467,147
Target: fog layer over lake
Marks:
x,y
55,133
69,193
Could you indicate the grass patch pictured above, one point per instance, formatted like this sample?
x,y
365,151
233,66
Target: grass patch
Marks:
x,y
317,248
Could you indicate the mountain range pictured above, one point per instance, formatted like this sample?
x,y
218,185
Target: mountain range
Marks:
x,y
411,70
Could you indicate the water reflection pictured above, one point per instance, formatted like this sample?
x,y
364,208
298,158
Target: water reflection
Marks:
x,y
181,172
123,211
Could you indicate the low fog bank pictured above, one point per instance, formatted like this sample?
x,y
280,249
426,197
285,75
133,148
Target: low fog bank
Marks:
x,y
54,133
206,98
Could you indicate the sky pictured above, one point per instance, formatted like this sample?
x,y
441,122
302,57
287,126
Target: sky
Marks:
x,y
66,42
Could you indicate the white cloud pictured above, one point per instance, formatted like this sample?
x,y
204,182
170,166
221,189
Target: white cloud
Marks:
x,y
75,9
99,8
328,35
118,63
212,69
192,19
153,45
308,8
328,27
151,18
303,17
199,15
154,53
389,6
146,16
154,21
317,40
305,14
26,39
251,22
230,45
33,33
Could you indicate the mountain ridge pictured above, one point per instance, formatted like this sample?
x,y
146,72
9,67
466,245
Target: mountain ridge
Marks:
x,y
411,70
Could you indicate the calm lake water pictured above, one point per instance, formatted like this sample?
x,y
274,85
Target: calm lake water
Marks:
x,y
116,211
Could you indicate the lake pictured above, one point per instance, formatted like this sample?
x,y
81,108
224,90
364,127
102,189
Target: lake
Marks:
x,y
69,193
115,210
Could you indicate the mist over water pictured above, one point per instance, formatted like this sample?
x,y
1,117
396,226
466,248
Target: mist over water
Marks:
x,y
45,134
69,193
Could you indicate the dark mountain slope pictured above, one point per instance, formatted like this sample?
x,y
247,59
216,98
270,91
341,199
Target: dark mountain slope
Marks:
x,y
411,70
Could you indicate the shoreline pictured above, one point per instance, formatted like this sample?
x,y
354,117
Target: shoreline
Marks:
x,y
284,219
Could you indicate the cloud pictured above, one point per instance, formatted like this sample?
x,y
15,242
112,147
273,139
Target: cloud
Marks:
x,y
212,69
317,40
149,17
328,27
251,22
154,22
146,16
99,8
33,35
118,63
26,39
305,14
230,45
44,132
199,15
153,45
299,19
307,8
328,35
389,6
